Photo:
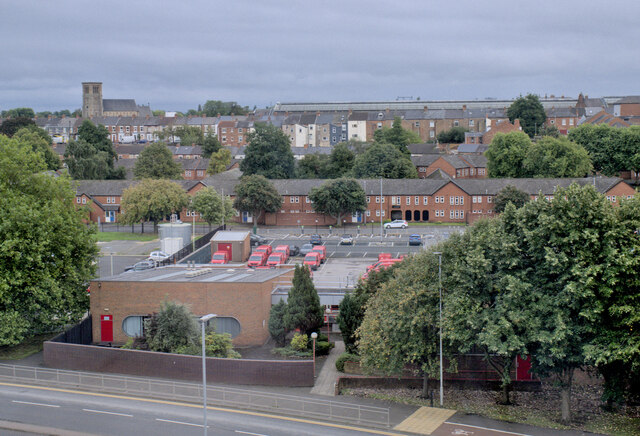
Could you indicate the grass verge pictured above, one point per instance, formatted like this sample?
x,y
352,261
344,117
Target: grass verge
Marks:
x,y
124,236
28,347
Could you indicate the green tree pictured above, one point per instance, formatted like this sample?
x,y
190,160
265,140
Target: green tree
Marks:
x,y
213,108
612,149
189,135
556,157
455,135
397,136
92,156
12,125
341,161
19,112
255,194
40,142
277,328
219,162
213,208
339,197
152,200
171,329
268,153
349,319
210,144
304,311
530,112
506,154
156,162
383,160
219,345
510,194
43,273
313,166
549,130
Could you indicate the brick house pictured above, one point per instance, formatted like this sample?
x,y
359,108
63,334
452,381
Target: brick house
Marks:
x,y
456,166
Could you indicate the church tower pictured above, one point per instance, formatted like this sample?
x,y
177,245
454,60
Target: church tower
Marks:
x,y
91,99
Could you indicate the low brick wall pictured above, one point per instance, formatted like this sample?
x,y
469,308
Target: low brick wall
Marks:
x,y
176,366
416,383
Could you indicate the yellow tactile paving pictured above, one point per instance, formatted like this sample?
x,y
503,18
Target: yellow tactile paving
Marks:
x,y
425,420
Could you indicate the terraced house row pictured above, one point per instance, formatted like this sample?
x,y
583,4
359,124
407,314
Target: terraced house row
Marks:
x,y
415,200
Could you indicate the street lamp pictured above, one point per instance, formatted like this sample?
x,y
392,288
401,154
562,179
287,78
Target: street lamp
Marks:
x,y
314,336
439,253
203,321
316,227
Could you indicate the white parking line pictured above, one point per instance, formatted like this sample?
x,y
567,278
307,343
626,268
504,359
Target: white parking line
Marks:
x,y
348,254
486,428
107,413
249,433
364,254
35,404
179,422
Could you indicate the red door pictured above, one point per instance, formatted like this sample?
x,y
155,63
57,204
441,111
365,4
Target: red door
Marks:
x,y
225,247
523,366
106,328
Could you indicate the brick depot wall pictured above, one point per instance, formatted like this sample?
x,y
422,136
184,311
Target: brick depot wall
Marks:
x,y
176,366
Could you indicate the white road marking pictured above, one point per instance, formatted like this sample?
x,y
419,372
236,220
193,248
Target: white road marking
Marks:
x,y
249,433
35,404
179,422
107,413
365,254
486,428
348,254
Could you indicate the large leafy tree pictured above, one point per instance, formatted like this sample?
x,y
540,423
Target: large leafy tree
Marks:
x,y
556,157
612,149
156,162
40,142
304,311
12,125
43,272
510,194
255,194
268,153
455,135
212,206
397,136
351,314
339,197
22,112
530,112
219,162
213,108
506,154
152,200
383,160
341,160
92,156
313,166
210,144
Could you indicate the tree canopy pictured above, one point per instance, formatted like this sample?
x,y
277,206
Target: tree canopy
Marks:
x,y
156,162
455,135
268,153
510,194
213,108
152,200
612,149
255,194
212,206
10,126
210,144
219,162
22,112
507,153
321,166
304,311
397,135
40,142
92,156
556,157
530,112
383,160
339,197
47,252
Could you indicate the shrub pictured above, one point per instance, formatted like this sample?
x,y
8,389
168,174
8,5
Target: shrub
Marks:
x,y
128,345
346,357
290,352
323,348
171,329
219,345
299,342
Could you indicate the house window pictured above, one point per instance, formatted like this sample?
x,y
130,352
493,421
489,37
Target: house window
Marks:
x,y
333,130
552,121
200,173
135,129
368,213
368,199
294,199
84,200
128,129
432,134
383,212
224,130
564,122
571,121
307,199
379,125
239,129
451,199
224,139
408,201
377,199
456,123
489,199
471,123
121,129
377,213
187,173
425,200
416,201
422,169
417,124
78,200
132,326
240,138
432,123
395,201
481,171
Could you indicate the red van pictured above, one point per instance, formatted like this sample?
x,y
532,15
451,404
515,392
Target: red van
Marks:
x,y
220,257
275,259
257,258
322,250
312,260
264,248
284,249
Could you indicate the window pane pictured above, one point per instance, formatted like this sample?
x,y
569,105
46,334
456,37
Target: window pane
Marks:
x,y
132,326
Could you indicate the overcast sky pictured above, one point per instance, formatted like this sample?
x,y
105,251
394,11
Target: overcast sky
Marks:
x,y
177,54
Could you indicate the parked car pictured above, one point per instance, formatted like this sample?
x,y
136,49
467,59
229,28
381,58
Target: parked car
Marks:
x,y
323,252
315,240
384,256
257,240
382,262
397,224
415,239
158,256
346,239
276,259
294,250
220,257
141,266
257,258
306,248
312,260
283,249
265,248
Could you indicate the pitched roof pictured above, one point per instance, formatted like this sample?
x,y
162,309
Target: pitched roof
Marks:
x,y
427,148
119,105
532,186
631,99
424,160
475,160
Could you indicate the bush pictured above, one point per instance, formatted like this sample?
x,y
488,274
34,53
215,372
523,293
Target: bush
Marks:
x,y
290,352
323,348
128,345
299,342
346,357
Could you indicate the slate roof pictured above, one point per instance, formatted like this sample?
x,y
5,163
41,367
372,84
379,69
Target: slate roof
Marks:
x,y
472,148
129,149
359,116
455,161
119,105
631,99
532,186
438,174
194,164
562,112
427,148
424,160
306,119
183,150
115,187
475,160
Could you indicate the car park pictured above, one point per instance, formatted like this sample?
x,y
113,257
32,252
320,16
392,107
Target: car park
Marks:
x,y
316,240
323,252
346,239
306,248
294,250
283,249
158,256
397,224
384,256
312,260
220,257
264,248
257,258
276,259
141,266
257,240
415,239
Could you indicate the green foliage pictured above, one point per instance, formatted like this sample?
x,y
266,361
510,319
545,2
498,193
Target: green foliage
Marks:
x,y
397,136
383,160
299,342
46,251
510,194
507,153
277,328
152,200
313,166
351,313
530,112
19,112
10,126
219,345
323,348
213,208
92,156
611,149
346,357
338,197
304,311
210,144
172,329
549,130
268,153
257,195
556,157
156,162
341,160
455,135
40,142
213,108
219,162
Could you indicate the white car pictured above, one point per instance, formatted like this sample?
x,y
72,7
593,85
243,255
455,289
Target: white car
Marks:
x,y
396,224
158,256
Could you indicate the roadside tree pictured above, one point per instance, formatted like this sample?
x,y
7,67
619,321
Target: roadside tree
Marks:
x,y
349,319
255,194
339,197
152,200
212,206
156,162
277,328
268,153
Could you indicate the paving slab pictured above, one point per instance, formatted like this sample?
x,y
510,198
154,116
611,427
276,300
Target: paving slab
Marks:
x,y
425,420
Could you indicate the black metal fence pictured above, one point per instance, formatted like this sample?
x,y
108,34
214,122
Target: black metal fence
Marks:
x,y
198,229
80,333
188,249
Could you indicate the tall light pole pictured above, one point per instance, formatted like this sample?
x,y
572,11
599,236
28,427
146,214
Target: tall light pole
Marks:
x,y
439,253
203,321
314,336
381,197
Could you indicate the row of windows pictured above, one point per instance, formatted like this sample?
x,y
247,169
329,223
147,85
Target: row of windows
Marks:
x,y
232,139
133,326
199,173
224,130
128,128
479,211
456,199
470,172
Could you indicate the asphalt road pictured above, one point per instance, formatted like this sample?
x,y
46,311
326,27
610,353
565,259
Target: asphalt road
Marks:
x,y
89,414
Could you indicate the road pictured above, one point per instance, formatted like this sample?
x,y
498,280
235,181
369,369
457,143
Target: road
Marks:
x,y
89,413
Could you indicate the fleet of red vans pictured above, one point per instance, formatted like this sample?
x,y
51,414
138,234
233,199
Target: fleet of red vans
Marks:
x,y
312,260
276,259
265,248
284,249
257,258
322,250
220,257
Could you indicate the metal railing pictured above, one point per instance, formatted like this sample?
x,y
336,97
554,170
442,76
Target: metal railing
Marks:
x,y
192,392
191,247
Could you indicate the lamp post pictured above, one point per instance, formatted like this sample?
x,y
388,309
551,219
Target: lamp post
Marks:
x,y
439,253
316,227
203,321
314,336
